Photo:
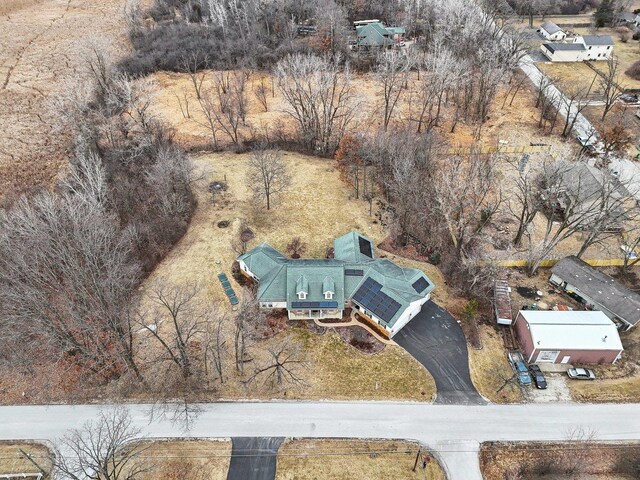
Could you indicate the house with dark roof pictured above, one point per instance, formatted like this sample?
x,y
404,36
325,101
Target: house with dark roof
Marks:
x,y
374,35
385,294
580,48
551,31
597,291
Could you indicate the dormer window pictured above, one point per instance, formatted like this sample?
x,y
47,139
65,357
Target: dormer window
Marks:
x,y
328,288
302,288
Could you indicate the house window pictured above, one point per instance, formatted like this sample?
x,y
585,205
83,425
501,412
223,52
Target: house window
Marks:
x,y
302,295
270,305
608,47
328,295
589,48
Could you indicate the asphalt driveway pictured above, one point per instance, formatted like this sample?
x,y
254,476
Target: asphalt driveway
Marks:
x,y
435,339
253,458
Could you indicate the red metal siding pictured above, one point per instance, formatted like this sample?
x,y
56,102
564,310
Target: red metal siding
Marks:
x,y
524,336
583,356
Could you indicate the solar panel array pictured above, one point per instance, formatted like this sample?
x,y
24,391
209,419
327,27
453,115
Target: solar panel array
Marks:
x,y
314,304
377,302
351,272
420,285
365,247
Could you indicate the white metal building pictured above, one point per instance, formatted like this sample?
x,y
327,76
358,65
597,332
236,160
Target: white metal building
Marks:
x,y
568,337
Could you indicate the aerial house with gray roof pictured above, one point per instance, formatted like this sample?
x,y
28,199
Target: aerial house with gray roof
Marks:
x,y
387,295
551,31
580,48
597,291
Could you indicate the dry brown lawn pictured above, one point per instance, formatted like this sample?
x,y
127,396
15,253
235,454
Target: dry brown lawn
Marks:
x,y
489,367
187,459
539,460
346,459
571,77
614,383
318,208
11,6
40,45
13,461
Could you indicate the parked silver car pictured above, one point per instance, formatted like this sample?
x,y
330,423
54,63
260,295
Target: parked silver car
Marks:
x,y
581,374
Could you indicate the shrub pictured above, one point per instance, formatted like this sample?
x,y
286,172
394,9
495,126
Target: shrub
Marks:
x,y
634,71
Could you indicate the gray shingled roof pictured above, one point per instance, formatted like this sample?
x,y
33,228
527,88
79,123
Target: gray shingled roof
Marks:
x,y
552,47
600,287
597,40
550,27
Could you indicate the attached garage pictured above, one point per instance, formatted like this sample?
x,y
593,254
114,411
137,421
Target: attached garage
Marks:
x,y
578,337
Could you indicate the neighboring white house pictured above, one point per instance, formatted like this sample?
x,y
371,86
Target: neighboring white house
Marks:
x,y
584,47
551,31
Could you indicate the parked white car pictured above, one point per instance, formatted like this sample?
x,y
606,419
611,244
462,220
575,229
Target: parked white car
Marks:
x,y
581,374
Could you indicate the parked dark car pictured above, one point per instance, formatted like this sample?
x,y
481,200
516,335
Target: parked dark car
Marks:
x,y
538,377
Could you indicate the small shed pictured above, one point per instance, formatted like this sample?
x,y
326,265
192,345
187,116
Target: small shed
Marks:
x,y
568,337
551,31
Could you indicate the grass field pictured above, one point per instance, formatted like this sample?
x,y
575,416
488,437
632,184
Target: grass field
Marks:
x,y
619,382
13,461
489,369
352,459
318,212
187,460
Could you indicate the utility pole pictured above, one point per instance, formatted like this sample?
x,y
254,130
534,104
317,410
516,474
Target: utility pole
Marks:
x,y
416,462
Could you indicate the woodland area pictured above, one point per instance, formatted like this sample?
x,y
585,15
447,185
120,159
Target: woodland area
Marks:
x,y
73,258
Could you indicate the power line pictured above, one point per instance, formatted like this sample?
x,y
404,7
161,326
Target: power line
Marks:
x,y
314,453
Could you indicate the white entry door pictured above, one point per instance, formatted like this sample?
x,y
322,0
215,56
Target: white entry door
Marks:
x,y
565,359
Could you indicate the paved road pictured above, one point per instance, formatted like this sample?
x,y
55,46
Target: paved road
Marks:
x,y
453,431
435,339
582,126
253,458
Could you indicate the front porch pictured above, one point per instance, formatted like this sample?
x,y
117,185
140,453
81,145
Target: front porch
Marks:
x,y
315,314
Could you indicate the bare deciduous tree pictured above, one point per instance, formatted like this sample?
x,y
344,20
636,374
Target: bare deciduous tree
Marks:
x,y
282,367
466,195
610,85
104,449
320,97
392,73
175,323
267,175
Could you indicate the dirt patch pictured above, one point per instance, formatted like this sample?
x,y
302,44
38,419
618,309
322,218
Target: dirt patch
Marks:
x,y
557,390
359,338
309,459
12,460
560,461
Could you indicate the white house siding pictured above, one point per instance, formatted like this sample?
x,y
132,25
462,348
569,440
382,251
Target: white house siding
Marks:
x,y
563,55
553,37
411,311
245,269
267,304
597,52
